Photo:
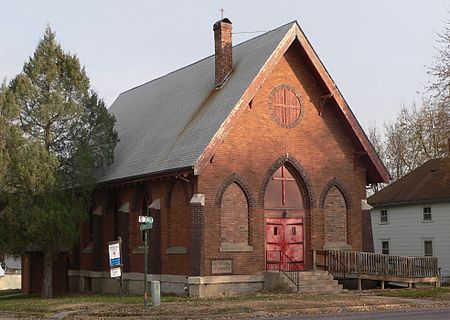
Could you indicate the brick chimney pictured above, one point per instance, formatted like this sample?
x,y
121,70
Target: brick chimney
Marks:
x,y
224,51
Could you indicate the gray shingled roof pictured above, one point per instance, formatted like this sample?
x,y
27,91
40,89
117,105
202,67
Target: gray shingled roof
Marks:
x,y
167,123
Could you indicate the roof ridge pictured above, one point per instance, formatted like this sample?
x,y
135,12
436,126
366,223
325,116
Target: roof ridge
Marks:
x,y
202,59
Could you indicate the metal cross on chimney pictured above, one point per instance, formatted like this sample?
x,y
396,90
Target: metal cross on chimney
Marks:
x,y
221,12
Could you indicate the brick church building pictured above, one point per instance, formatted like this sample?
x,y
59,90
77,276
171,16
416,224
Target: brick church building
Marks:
x,y
246,152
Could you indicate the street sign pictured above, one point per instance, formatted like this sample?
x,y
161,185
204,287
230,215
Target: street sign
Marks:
x,y
115,261
114,254
145,226
145,219
146,223
116,272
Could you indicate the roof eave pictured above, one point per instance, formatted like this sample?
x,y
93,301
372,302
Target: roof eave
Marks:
x,y
143,177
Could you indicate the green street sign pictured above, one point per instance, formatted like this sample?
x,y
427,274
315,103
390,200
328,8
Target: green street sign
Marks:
x,y
145,226
146,223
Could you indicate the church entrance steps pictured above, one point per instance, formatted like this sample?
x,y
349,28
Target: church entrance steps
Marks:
x,y
308,282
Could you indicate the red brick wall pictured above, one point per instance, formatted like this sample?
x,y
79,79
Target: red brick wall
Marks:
x,y
335,215
174,199
234,216
178,225
367,232
320,144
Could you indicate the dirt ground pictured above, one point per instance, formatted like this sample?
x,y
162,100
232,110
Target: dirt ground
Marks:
x,y
257,305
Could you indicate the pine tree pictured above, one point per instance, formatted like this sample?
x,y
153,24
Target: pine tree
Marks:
x,y
59,134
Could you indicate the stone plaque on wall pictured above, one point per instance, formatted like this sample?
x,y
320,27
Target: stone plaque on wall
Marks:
x,y
221,266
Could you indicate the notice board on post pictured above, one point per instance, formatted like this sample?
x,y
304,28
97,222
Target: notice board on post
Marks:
x,y
115,262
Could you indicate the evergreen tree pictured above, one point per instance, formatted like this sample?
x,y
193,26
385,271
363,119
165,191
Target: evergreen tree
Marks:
x,y
58,134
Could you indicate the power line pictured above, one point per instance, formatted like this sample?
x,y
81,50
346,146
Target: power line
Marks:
x,y
262,31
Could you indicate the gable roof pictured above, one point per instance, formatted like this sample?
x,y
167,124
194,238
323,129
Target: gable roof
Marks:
x,y
166,124
428,183
176,121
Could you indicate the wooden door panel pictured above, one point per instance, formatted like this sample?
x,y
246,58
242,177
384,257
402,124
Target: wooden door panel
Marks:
x,y
274,233
294,233
295,253
286,236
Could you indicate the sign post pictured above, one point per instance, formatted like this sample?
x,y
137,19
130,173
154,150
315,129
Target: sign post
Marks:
x,y
115,262
146,225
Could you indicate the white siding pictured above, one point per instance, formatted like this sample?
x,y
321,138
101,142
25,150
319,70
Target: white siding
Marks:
x,y
406,231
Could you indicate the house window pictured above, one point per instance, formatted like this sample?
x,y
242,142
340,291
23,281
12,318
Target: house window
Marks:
x,y
384,217
427,214
385,247
428,247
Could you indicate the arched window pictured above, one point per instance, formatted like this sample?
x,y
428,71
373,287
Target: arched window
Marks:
x,y
179,217
335,215
283,192
234,216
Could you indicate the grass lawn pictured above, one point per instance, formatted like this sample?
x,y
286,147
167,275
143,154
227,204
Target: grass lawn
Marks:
x,y
132,305
93,306
35,304
442,293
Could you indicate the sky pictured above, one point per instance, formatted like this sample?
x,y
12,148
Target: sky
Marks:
x,y
376,51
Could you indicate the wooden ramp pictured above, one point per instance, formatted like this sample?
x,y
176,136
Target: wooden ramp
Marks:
x,y
364,265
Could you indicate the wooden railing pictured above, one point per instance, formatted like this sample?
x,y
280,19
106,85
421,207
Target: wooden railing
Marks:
x,y
353,264
279,261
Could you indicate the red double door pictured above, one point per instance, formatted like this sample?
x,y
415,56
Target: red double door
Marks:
x,y
283,204
285,247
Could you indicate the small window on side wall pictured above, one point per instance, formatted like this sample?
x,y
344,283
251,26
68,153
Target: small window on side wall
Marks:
x,y
385,247
427,216
428,248
384,217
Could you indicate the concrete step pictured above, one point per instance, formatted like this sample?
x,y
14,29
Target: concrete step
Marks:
x,y
309,282
314,273
315,278
328,282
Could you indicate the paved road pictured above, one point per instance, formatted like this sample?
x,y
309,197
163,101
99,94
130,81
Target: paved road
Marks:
x,y
424,314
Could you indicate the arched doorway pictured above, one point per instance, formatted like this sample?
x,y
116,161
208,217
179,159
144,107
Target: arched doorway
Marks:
x,y
284,214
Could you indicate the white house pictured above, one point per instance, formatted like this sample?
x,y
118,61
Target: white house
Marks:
x,y
411,216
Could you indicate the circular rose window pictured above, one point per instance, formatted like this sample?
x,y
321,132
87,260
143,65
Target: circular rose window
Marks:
x,y
286,106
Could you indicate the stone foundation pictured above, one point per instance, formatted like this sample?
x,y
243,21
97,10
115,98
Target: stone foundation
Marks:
x,y
133,283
